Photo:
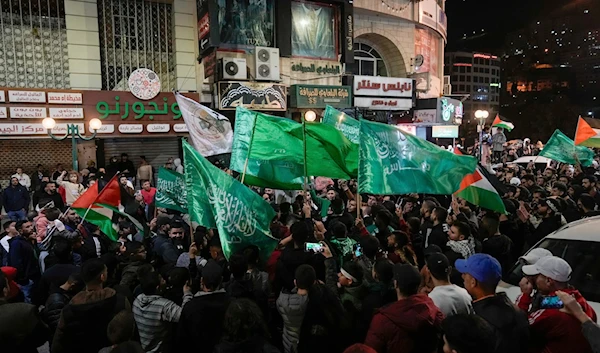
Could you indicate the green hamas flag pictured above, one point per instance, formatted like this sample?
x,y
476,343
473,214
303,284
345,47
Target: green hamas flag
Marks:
x,y
562,149
349,126
275,151
216,200
394,162
170,190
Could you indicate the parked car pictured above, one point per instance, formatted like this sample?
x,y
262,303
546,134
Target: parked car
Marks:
x,y
579,244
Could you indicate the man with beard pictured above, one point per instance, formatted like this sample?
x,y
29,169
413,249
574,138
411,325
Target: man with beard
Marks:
x,y
494,243
15,199
22,256
426,224
439,231
586,205
71,221
589,185
547,221
570,211
553,330
168,247
48,191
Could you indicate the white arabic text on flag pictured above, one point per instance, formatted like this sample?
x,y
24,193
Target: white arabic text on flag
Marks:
x,y
210,132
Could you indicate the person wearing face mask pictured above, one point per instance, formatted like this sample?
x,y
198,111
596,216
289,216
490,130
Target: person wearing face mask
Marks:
x,y
73,189
113,167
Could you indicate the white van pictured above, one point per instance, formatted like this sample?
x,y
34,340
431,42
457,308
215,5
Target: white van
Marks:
x,y
579,244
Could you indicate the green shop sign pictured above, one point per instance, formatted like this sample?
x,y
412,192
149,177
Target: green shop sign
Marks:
x,y
137,110
315,96
334,69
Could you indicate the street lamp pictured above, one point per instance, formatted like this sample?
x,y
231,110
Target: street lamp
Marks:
x,y
73,131
310,116
481,115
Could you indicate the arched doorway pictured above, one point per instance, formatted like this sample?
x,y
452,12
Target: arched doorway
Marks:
x,y
373,48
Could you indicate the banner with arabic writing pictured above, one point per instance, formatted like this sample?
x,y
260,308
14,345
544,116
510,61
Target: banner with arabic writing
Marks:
x,y
210,132
170,190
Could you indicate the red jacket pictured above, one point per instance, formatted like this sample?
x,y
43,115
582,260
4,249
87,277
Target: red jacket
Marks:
x,y
553,331
405,326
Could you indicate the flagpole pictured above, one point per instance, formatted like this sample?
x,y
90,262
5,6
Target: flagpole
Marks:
x,y
85,214
304,152
249,148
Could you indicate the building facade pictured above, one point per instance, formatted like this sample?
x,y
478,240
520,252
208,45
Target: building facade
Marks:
x,y
73,60
476,76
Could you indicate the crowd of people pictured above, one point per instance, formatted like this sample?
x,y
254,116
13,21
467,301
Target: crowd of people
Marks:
x,y
351,273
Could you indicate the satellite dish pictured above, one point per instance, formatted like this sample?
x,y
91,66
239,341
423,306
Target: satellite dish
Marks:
x,y
419,59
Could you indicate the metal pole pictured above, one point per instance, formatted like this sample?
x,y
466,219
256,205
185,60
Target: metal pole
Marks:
x,y
481,143
71,129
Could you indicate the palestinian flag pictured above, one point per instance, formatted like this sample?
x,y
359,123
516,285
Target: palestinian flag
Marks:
x,y
503,124
478,190
100,207
588,133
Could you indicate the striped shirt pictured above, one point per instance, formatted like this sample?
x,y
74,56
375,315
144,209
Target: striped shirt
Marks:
x,y
153,315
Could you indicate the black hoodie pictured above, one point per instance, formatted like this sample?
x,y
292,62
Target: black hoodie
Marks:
x,y
82,326
511,324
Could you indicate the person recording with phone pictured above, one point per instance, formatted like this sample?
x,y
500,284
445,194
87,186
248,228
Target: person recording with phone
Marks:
x,y
551,329
589,328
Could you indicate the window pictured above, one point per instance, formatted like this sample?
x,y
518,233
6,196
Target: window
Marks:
x,y
487,70
463,60
368,62
461,78
135,34
461,88
33,44
468,78
469,69
475,69
468,88
487,80
462,69
313,31
454,78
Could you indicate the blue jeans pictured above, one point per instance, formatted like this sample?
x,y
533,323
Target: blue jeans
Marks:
x,y
16,215
27,289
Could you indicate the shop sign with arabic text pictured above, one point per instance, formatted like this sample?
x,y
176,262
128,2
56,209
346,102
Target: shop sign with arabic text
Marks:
x,y
376,86
315,96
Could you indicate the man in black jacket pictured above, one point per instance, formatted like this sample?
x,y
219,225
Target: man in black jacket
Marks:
x,y
22,256
439,232
48,192
83,322
481,275
58,299
15,200
202,318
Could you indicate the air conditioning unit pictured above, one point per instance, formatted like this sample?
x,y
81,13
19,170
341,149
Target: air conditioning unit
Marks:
x,y
446,80
233,69
267,64
447,89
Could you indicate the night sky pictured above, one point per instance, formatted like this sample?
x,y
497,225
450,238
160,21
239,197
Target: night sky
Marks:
x,y
491,19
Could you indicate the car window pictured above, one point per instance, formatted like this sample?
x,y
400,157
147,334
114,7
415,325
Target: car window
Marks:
x,y
583,258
